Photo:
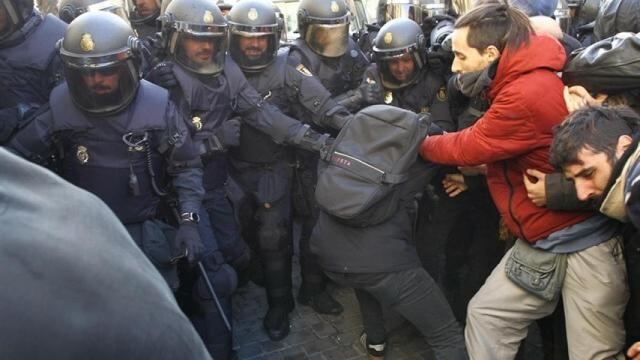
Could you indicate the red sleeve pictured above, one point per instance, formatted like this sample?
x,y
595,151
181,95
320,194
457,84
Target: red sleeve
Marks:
x,y
506,130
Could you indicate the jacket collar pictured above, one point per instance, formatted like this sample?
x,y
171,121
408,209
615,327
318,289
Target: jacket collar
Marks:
x,y
613,204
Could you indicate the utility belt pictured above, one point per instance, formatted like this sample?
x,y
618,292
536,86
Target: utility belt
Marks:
x,y
209,146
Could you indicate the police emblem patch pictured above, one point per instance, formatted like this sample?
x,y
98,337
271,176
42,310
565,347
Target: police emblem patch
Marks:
x,y
86,42
334,7
197,122
253,14
388,97
388,38
303,70
82,154
208,17
442,93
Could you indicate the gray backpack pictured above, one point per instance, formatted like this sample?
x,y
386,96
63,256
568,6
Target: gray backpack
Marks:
x,y
368,162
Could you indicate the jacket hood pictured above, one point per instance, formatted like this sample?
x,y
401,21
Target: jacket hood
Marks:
x,y
542,52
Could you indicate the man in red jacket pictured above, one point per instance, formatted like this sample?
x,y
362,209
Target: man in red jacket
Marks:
x,y
497,54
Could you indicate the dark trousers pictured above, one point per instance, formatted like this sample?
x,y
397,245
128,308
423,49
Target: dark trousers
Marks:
x,y
414,295
306,211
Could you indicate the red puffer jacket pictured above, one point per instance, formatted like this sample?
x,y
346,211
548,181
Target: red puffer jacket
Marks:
x,y
514,135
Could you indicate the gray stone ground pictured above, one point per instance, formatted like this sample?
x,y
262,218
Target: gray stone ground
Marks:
x,y
314,336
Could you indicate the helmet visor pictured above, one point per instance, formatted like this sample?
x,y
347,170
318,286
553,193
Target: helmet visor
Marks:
x,y
402,11
434,9
330,40
102,90
398,71
202,53
144,11
254,50
9,19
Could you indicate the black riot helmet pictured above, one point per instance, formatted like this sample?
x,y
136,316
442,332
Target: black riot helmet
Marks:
x,y
399,9
254,34
71,9
145,11
399,51
98,52
13,16
196,35
324,26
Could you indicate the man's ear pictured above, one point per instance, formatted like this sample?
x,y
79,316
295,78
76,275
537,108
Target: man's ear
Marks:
x,y
624,141
491,53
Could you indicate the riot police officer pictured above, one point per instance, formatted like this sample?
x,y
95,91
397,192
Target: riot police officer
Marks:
x,y
326,50
71,9
29,68
144,15
121,139
263,166
210,89
402,75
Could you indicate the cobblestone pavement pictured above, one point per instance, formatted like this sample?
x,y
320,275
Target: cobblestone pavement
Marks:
x,y
314,336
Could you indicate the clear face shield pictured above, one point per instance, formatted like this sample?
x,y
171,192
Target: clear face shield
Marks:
x,y
9,19
398,68
403,11
200,48
328,39
254,48
435,8
144,11
101,85
562,14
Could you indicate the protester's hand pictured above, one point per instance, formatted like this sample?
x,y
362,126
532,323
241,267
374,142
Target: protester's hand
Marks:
x,y
229,132
634,351
536,190
162,75
577,97
187,237
454,184
473,170
544,25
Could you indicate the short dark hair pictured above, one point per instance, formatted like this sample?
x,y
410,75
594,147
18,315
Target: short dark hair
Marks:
x,y
596,129
496,23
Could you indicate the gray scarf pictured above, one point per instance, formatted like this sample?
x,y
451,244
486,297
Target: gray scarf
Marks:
x,y
474,83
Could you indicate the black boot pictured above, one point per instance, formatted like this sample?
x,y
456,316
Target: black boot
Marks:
x,y
276,323
321,302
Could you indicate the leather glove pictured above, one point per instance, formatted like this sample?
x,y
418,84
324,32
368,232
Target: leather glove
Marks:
x,y
162,75
187,237
229,132
370,93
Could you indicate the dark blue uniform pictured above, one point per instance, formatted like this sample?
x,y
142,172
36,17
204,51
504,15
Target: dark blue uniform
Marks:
x,y
92,154
263,169
29,69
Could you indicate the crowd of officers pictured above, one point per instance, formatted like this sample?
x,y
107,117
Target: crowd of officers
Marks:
x,y
202,132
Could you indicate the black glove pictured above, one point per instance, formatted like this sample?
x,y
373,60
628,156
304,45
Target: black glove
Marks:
x,y
229,132
187,237
162,75
370,92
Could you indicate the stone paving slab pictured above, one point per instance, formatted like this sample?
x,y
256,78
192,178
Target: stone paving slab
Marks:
x,y
314,336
